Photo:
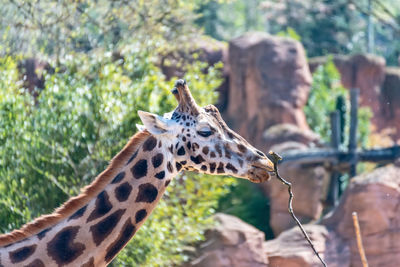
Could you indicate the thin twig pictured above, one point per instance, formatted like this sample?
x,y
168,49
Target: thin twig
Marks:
x,y
359,240
275,158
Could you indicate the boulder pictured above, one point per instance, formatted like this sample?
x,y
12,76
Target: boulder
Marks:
x,y
309,188
232,243
291,249
269,82
285,132
375,197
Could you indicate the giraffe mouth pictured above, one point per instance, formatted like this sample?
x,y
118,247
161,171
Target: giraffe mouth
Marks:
x,y
259,174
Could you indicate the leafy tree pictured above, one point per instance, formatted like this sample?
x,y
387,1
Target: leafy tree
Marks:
x,y
246,201
54,28
325,26
52,147
327,95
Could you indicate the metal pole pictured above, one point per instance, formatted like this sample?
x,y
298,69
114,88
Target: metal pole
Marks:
x,y
354,95
333,193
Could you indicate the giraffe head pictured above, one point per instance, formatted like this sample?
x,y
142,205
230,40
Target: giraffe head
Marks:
x,y
201,141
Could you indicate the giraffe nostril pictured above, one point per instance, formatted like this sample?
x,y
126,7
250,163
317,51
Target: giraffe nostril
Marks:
x,y
260,153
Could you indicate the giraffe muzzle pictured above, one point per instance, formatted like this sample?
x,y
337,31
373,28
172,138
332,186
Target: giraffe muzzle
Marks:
x,y
261,170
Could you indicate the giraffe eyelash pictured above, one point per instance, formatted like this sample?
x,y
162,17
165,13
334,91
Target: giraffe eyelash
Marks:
x,y
204,133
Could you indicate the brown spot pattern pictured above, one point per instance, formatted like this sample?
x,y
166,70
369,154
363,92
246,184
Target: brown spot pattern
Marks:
x,y
62,248
150,144
102,206
197,160
35,263
242,148
43,233
132,157
195,146
227,151
139,170
147,193
220,168
123,191
212,167
218,149
181,151
206,150
157,160
140,215
22,254
128,230
178,166
160,175
118,178
169,167
79,213
104,228
231,167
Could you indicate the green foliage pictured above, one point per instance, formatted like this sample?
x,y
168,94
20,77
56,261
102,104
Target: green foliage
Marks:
x,y
53,146
55,28
225,19
325,26
325,89
291,33
326,96
246,201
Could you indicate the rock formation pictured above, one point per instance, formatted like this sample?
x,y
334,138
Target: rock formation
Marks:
x,y
232,243
375,197
269,83
290,249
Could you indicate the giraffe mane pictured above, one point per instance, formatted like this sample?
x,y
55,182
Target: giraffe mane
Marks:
x,y
75,203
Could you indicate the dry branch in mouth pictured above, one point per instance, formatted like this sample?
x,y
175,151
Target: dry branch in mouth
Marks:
x,y
274,157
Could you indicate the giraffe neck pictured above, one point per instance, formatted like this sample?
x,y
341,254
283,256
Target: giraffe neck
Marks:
x,y
97,231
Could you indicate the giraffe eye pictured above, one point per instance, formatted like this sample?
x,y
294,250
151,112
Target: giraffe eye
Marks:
x,y
204,133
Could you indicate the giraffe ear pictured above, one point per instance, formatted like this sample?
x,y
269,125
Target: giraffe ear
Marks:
x,y
140,127
153,123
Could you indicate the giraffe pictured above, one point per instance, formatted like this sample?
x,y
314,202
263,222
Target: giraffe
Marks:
x,y
91,228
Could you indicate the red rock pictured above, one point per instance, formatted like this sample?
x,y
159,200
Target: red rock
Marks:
x,y
232,243
290,249
375,197
269,84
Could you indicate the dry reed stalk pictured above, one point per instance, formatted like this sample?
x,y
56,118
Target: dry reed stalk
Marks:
x,y
359,240
275,158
